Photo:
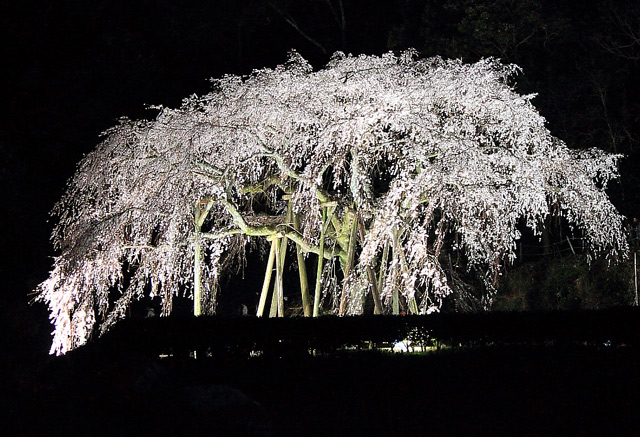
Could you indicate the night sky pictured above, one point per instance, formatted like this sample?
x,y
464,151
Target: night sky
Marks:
x,y
72,68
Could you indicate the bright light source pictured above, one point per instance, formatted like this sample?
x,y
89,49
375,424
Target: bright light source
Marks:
x,y
402,346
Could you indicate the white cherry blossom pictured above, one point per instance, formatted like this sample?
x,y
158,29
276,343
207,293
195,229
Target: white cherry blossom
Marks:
x,y
383,162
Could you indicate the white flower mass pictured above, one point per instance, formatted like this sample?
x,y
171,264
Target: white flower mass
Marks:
x,y
404,157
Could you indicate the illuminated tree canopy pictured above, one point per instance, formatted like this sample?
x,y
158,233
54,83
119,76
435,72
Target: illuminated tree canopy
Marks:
x,y
366,170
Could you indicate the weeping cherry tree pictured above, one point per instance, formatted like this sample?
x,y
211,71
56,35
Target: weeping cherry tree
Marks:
x,y
360,175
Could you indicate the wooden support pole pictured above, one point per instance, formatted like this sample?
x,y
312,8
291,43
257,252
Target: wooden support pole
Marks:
x,y
273,309
349,264
318,288
281,248
197,278
267,280
302,273
635,275
383,266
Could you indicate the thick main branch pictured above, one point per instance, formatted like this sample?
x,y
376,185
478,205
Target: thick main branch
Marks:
x,y
273,231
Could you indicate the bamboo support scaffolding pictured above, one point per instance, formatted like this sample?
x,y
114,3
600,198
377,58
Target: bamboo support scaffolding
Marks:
x,y
318,285
349,263
302,272
281,248
267,279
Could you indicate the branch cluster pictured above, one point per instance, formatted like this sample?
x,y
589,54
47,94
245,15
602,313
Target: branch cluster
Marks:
x,y
377,165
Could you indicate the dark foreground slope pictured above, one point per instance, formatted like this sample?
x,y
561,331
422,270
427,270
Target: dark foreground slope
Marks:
x,y
532,387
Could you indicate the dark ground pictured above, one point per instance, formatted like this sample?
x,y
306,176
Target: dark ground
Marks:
x,y
490,390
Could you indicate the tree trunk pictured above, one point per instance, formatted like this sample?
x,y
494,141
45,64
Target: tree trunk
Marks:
x,y
397,247
199,216
546,238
